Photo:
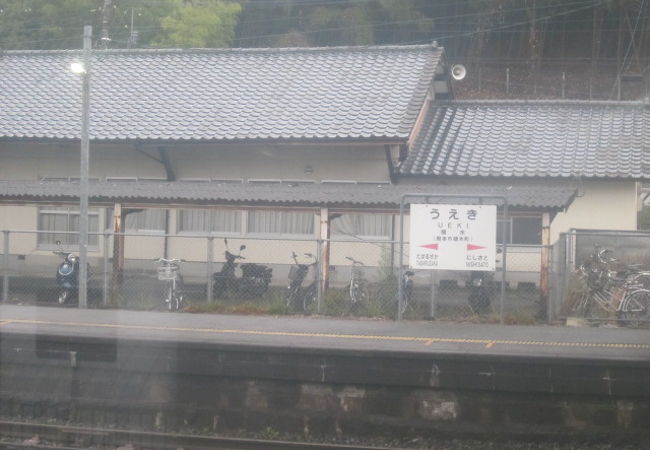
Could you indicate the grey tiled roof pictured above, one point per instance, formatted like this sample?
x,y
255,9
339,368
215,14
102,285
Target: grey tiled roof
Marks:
x,y
533,139
531,195
236,94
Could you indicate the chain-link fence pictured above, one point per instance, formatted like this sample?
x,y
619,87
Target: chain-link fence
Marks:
x,y
202,273
573,78
336,277
601,278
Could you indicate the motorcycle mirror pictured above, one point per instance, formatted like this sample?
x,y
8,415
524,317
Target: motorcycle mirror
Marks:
x,y
243,247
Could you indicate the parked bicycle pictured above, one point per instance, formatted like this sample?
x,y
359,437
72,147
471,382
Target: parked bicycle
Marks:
x,y
169,272
299,296
407,292
614,290
358,283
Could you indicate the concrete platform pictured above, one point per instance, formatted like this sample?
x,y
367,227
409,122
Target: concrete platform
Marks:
x,y
335,335
317,376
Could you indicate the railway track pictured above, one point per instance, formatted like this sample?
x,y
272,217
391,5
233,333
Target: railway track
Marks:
x,y
21,435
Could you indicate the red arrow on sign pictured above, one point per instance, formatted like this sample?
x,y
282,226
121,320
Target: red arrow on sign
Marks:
x,y
474,247
431,246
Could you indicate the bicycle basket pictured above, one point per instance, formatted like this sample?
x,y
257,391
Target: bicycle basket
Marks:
x,y
294,273
166,273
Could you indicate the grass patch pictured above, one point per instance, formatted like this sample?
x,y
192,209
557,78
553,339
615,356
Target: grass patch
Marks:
x,y
519,318
336,302
274,305
143,303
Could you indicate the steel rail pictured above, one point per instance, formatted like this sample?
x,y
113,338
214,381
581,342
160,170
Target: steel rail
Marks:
x,y
59,436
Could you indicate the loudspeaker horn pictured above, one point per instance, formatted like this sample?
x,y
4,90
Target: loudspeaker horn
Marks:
x,y
458,72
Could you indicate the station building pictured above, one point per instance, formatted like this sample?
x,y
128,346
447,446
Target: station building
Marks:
x,y
294,145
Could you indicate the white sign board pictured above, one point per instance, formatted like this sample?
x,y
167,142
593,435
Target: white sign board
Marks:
x,y
453,237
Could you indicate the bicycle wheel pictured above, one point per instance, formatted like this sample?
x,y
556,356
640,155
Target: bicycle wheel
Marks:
x,y
309,298
63,296
178,301
292,296
358,293
353,291
170,296
585,308
643,279
636,308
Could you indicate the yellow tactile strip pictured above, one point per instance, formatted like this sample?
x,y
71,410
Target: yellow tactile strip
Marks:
x,y
487,343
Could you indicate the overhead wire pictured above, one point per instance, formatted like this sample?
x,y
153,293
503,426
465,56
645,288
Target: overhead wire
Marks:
x,y
591,4
627,52
384,24
407,21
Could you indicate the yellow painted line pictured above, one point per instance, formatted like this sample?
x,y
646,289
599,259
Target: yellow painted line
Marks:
x,y
4,322
488,343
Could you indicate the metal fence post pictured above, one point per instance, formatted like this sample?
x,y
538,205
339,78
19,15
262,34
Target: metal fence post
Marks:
x,y
433,294
504,254
5,272
566,241
401,257
105,278
209,268
319,284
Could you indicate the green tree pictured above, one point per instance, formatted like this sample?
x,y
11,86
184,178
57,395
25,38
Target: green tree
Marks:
x,y
52,24
204,24
340,26
37,24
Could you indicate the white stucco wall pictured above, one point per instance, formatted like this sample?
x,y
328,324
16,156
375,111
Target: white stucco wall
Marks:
x,y
31,161
604,205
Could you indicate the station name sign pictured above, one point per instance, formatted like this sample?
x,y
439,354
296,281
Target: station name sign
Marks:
x,y
453,237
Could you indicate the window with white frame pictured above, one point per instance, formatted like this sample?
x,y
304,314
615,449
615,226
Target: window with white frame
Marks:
x,y
55,220
524,230
140,220
361,225
280,222
209,220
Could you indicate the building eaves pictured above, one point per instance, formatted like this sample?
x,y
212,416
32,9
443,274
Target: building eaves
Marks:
x,y
363,195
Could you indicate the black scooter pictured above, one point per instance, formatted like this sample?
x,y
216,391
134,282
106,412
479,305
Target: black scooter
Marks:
x,y
299,296
481,289
254,281
67,276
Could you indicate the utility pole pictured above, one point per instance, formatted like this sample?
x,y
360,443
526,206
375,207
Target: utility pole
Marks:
x,y
83,175
133,35
106,12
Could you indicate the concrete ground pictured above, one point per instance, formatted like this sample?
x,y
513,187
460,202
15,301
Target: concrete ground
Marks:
x,y
322,334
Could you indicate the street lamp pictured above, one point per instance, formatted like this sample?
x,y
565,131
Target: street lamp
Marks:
x,y
77,67
83,69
